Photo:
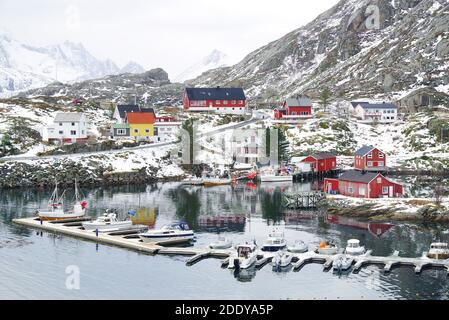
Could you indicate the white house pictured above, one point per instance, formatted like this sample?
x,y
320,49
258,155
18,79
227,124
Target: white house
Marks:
x,y
66,127
166,129
376,112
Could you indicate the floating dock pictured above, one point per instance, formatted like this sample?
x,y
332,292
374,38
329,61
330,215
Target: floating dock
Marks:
x,y
125,239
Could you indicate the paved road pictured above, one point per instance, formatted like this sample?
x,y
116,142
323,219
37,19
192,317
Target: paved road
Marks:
x,y
220,129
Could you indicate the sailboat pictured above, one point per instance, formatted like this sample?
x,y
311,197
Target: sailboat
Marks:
x,y
55,209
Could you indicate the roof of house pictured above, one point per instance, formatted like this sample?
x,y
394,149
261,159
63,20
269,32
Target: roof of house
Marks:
x,y
127,108
68,117
150,110
217,93
140,118
298,102
322,155
356,103
378,106
364,150
358,176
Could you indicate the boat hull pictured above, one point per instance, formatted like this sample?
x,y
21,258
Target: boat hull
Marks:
x,y
275,178
242,262
273,248
167,239
50,216
438,256
91,226
216,182
328,251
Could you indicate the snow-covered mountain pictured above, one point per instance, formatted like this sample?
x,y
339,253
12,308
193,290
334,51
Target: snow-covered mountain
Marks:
x,y
215,59
132,67
358,48
25,67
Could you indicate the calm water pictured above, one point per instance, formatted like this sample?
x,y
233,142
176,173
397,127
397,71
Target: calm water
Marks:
x,y
33,263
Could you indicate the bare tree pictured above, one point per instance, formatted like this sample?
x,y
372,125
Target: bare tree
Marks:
x,y
438,194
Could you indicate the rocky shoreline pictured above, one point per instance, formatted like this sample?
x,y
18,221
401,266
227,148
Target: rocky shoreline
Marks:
x,y
24,175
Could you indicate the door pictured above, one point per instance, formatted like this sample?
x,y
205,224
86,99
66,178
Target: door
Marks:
x,y
391,192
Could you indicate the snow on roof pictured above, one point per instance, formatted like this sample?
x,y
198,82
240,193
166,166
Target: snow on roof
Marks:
x,y
68,117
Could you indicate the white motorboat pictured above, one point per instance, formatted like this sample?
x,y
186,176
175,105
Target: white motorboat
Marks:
x,y
342,263
298,247
275,178
438,251
282,259
221,243
55,210
327,248
107,222
274,242
354,248
244,257
176,232
192,181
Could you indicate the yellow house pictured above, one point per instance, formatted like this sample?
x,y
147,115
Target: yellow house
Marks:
x,y
141,124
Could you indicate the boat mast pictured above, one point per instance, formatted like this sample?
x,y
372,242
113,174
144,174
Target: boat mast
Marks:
x,y
77,196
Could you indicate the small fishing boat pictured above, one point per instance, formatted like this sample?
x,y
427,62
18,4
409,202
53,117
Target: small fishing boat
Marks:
x,y
327,248
282,259
438,251
55,210
354,248
274,242
298,247
107,222
210,182
177,232
192,181
221,243
244,257
342,263
275,178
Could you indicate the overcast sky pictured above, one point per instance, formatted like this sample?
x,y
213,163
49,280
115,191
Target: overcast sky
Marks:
x,y
172,34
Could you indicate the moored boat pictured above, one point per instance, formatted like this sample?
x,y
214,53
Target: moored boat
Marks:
x,y
282,259
274,242
244,257
438,251
210,182
354,248
192,181
298,247
55,210
342,263
177,232
327,248
221,243
107,222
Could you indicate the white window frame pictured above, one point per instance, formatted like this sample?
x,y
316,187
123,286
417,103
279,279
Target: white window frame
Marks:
x,y
370,164
385,192
121,132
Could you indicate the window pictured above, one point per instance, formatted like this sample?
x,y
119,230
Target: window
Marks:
x,y
293,113
234,102
370,163
121,132
381,155
370,155
60,124
147,130
362,190
384,190
61,132
381,163
82,131
240,101
73,123
136,130
218,102
350,190
379,180
73,132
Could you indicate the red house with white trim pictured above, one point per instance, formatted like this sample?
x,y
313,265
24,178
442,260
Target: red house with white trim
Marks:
x,y
369,158
294,109
322,161
363,185
220,100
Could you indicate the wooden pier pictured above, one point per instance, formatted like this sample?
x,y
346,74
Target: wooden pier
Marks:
x,y
303,200
121,239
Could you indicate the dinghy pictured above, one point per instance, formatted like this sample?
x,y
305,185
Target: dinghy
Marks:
x,y
221,243
327,248
298,247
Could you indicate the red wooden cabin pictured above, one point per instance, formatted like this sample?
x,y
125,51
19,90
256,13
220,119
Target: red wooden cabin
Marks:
x,y
369,158
294,107
225,100
322,161
363,185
